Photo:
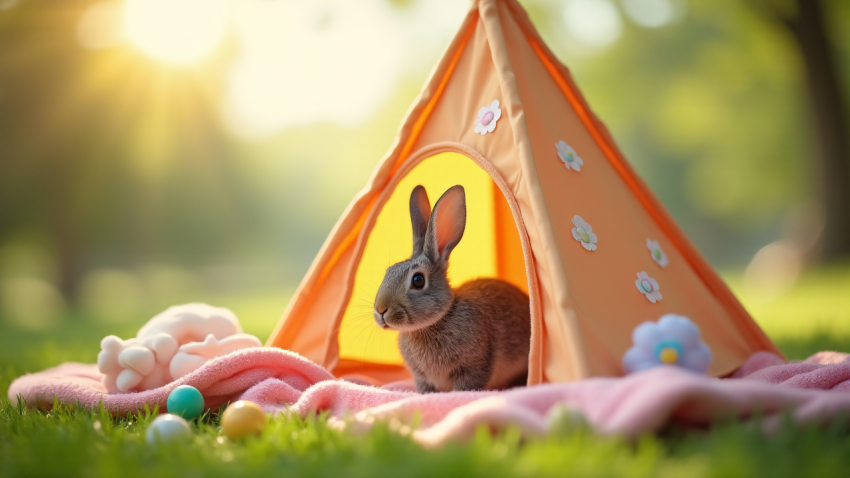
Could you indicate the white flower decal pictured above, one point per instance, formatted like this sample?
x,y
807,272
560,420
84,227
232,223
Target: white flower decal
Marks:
x,y
674,340
487,118
648,287
583,233
657,253
568,156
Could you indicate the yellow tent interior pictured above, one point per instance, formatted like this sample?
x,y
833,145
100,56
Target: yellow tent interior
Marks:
x,y
490,248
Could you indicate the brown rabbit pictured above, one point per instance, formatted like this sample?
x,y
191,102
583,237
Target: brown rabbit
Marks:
x,y
470,338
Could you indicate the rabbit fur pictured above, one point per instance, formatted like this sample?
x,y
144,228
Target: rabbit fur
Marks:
x,y
471,338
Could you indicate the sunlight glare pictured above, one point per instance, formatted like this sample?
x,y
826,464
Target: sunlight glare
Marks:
x,y
176,31
304,61
308,61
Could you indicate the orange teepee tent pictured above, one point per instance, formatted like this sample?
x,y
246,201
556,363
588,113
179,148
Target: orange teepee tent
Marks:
x,y
553,207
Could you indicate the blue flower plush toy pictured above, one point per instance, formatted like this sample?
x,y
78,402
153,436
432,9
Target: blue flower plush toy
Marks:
x,y
673,340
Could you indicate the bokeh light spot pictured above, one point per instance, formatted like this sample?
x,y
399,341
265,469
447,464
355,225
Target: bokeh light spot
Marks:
x,y
30,303
650,13
176,31
594,23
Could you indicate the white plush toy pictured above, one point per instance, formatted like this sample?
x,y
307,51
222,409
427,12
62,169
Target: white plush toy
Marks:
x,y
171,345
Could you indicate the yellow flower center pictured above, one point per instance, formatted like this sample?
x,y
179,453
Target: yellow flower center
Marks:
x,y
669,355
585,237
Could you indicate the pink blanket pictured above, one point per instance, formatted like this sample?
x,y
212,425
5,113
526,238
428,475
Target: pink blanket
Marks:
x,y
284,382
220,380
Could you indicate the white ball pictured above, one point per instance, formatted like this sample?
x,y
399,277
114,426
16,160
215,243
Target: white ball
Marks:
x,y
168,428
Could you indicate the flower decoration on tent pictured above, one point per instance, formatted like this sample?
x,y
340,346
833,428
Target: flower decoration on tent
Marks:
x,y
658,254
583,233
569,156
487,118
673,340
648,287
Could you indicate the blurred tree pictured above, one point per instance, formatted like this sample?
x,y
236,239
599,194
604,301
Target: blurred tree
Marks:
x,y
805,19
116,158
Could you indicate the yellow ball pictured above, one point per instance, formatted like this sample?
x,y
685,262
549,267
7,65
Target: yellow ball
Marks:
x,y
241,419
669,355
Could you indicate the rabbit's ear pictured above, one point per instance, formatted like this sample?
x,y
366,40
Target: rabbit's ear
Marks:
x,y
448,221
420,210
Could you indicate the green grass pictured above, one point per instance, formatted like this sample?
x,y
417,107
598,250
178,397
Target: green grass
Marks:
x,y
814,316
65,442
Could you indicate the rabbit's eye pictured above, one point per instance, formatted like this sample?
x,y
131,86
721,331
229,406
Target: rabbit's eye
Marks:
x,y
418,281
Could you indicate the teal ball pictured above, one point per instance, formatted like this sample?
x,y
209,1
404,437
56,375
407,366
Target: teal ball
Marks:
x,y
186,401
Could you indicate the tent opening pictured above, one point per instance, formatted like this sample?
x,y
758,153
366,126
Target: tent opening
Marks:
x,y
490,247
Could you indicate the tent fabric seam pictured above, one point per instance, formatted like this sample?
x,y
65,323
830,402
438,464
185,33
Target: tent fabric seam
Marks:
x,y
489,13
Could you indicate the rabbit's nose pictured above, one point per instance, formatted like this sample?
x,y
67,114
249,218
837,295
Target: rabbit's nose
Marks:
x,y
379,317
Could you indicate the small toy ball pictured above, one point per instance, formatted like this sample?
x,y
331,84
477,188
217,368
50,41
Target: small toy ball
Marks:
x,y
168,428
564,418
186,401
241,419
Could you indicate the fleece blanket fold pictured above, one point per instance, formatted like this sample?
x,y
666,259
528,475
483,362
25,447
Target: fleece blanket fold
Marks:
x,y
220,380
813,391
